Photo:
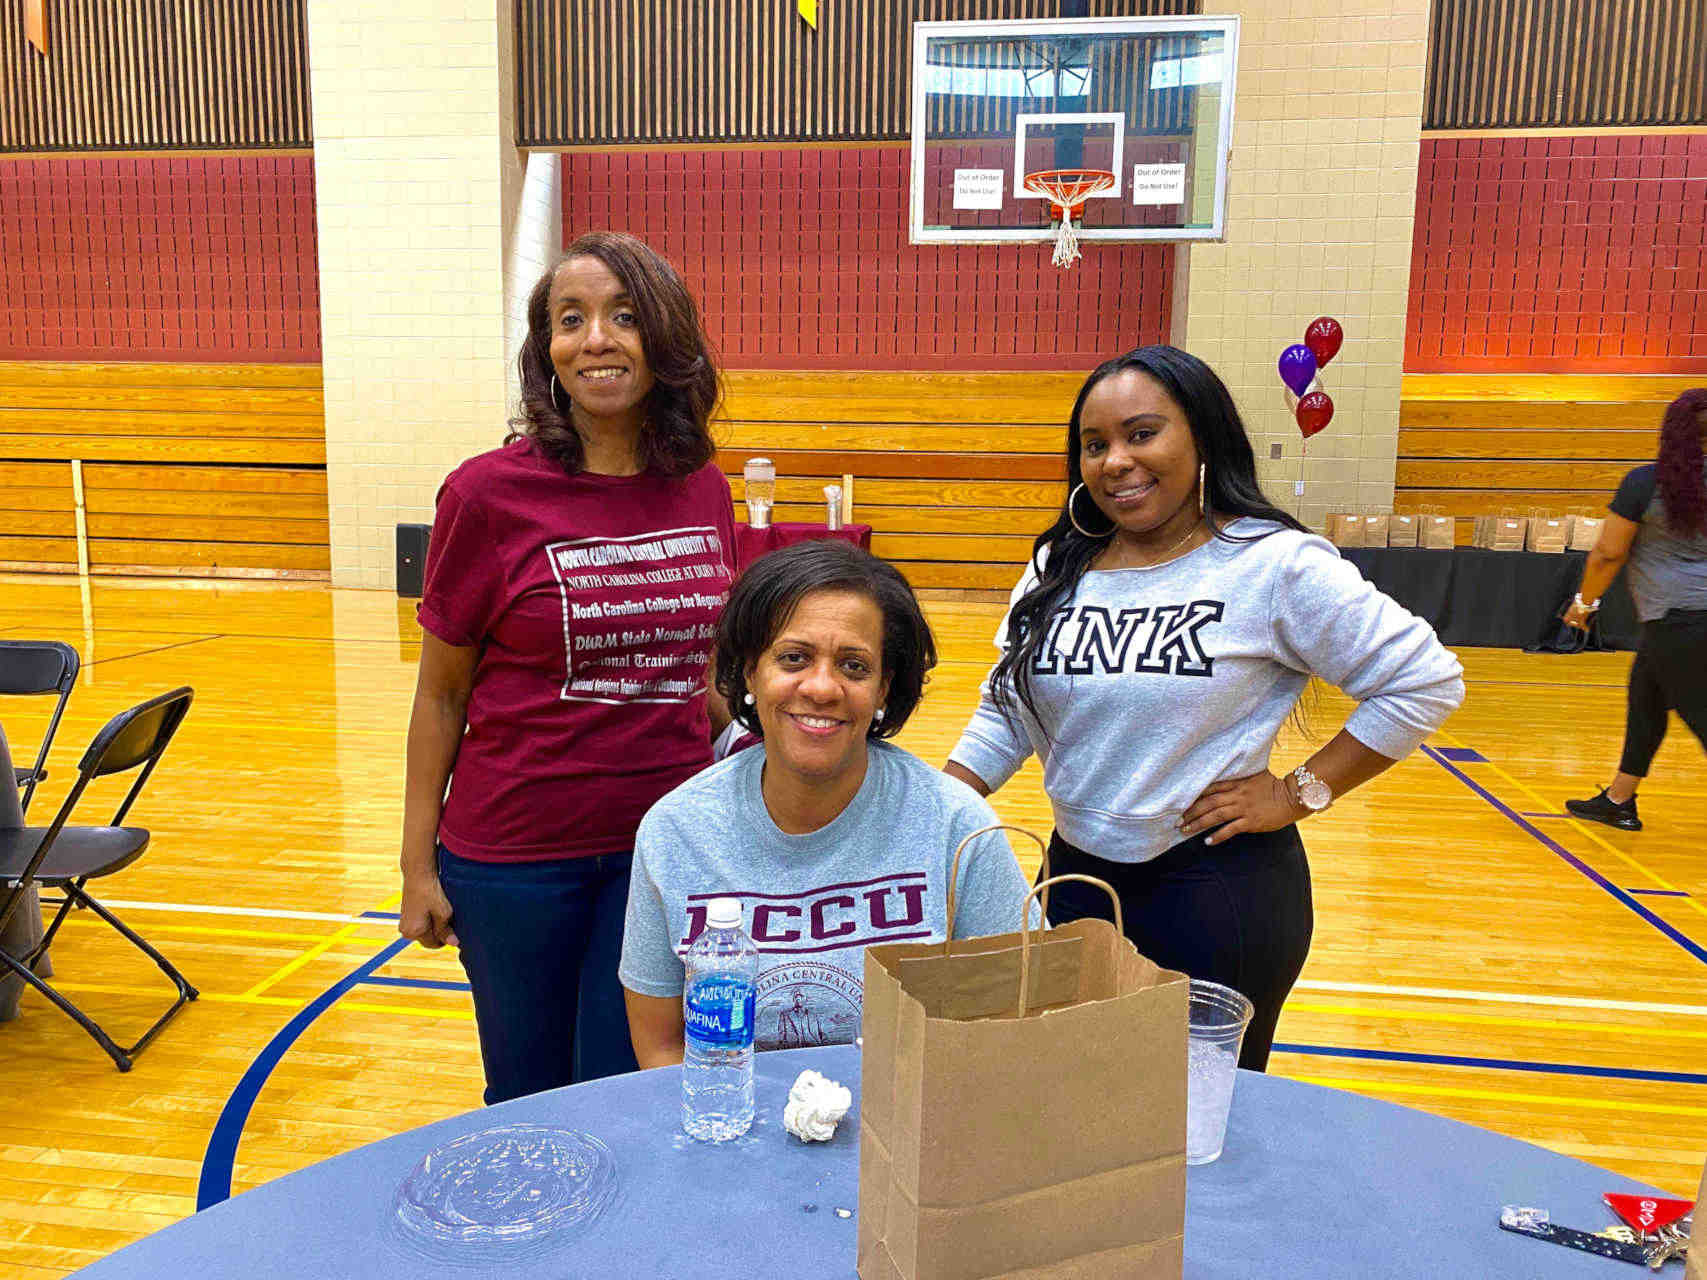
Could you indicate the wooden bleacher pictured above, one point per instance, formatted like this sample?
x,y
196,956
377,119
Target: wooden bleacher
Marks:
x,y
955,472
1488,444
191,469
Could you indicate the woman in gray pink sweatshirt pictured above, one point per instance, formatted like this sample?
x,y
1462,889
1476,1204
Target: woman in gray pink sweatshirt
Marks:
x,y
1164,630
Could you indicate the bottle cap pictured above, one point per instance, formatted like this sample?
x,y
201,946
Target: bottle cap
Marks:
x,y
724,913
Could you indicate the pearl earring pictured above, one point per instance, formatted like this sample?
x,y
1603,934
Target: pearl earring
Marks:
x,y
748,699
878,715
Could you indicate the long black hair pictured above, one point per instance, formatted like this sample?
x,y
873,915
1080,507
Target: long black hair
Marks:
x,y
676,438
1061,553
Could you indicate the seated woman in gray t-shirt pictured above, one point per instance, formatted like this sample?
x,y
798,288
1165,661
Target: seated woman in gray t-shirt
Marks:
x,y
831,838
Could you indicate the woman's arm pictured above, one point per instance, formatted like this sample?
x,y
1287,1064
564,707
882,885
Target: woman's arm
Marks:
x,y
655,1027
955,769
1263,802
436,724
1610,552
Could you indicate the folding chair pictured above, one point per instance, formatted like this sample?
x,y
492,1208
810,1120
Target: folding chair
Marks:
x,y
38,667
68,857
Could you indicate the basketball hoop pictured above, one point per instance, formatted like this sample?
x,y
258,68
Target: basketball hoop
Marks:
x,y
1067,189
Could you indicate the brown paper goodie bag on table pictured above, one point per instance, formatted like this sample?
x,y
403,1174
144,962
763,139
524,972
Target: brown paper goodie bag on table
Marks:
x,y
1038,1136
1438,533
1584,532
1375,530
1697,1268
1403,531
1546,533
1501,533
1345,530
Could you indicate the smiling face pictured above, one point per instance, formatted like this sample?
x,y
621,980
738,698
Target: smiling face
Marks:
x,y
1137,455
596,348
818,683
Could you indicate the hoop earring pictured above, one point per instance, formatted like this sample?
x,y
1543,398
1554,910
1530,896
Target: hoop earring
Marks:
x,y
1074,520
554,390
1202,489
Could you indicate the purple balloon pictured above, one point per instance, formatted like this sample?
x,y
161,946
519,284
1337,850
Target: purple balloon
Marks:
x,y
1298,367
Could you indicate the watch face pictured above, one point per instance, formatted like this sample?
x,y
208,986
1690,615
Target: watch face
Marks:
x,y
1315,794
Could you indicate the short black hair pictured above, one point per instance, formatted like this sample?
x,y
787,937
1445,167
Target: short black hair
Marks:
x,y
767,594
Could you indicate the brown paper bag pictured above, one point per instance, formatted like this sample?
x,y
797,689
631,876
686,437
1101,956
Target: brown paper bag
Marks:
x,y
1546,533
1375,530
1403,531
1501,533
1022,1108
1584,532
1438,533
1345,530
1697,1265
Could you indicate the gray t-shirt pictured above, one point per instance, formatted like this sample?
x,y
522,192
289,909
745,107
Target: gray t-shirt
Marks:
x,y
813,903
1666,570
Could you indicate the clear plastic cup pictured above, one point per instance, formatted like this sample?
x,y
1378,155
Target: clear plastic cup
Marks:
x,y
760,477
1219,1016
833,506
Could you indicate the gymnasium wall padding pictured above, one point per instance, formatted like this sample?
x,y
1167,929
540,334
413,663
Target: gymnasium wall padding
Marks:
x,y
1579,254
200,258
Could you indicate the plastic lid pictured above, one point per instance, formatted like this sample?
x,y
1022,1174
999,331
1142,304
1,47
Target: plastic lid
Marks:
x,y
724,913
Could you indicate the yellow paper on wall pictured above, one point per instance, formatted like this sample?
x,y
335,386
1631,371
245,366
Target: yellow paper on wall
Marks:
x,y
809,11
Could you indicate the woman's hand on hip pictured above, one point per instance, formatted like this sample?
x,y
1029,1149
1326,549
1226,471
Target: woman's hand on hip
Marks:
x,y
425,914
1260,802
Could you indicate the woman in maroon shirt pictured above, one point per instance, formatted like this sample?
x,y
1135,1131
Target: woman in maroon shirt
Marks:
x,y
573,580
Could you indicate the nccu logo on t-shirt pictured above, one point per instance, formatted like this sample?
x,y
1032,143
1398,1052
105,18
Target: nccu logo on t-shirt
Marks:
x,y
1163,639
885,909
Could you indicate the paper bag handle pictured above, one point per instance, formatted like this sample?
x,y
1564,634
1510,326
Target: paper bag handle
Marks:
x,y
1025,929
954,872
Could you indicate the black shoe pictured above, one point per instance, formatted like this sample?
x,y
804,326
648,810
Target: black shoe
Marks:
x,y
1603,809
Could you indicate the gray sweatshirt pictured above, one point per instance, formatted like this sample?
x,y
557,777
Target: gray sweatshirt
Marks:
x,y
1156,683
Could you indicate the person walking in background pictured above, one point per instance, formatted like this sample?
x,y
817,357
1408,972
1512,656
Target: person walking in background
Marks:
x,y
1656,531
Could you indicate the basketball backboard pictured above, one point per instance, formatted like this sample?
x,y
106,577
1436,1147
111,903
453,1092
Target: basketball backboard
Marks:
x,y
1146,100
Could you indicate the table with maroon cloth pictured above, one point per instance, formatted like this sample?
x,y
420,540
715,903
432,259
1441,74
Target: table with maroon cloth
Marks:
x,y
751,543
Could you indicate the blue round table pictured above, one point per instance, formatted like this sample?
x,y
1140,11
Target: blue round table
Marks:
x,y
1313,1182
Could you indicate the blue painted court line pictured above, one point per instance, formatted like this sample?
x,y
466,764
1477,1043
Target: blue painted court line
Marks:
x,y
1496,1064
430,984
214,1185
1463,755
1682,939
1661,893
380,915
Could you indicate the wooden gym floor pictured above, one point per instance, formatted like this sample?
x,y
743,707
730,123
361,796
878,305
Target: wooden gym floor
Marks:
x,y
1477,954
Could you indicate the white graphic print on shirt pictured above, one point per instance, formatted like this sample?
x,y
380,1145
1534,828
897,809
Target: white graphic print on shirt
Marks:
x,y
811,984
638,613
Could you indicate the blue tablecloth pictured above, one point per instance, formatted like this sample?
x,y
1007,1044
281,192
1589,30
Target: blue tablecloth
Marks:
x,y
1313,1183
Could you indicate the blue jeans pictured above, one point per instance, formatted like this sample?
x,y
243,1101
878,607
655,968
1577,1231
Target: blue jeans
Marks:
x,y
540,943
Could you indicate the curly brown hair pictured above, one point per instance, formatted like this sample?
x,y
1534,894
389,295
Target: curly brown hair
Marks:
x,y
1682,486
676,438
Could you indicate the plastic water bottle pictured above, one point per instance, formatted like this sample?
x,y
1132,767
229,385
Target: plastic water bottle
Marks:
x,y
717,1012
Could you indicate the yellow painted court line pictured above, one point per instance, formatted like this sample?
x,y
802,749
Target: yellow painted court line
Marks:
x,y
1497,1020
315,952
271,1002
1659,881
1353,1085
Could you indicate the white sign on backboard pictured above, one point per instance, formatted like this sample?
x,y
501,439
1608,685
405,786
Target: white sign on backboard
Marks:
x,y
978,188
1158,184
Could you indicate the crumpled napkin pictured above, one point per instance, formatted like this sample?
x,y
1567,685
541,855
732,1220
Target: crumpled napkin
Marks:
x,y
815,1107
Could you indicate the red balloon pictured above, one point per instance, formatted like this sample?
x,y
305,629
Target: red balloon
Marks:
x,y
1314,412
1324,337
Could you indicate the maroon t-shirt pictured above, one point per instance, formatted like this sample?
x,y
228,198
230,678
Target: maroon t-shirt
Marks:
x,y
592,600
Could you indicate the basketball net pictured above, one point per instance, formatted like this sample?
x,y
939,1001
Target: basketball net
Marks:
x,y
1066,190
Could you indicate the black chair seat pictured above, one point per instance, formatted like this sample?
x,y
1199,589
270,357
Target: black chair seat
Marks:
x,y
78,852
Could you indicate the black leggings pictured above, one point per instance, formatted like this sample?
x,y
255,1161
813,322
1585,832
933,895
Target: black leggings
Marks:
x,y
1237,913
1669,674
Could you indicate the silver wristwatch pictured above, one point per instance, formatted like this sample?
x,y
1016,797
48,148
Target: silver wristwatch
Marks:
x,y
1313,793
